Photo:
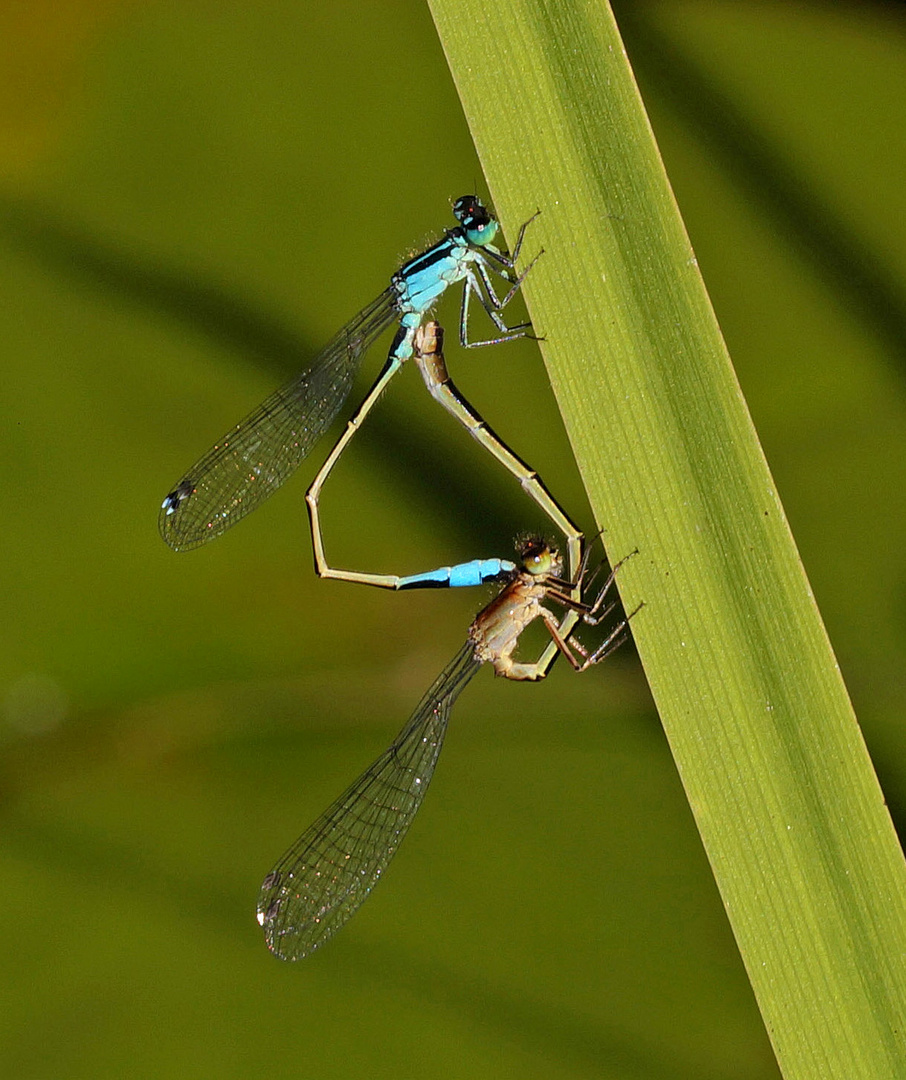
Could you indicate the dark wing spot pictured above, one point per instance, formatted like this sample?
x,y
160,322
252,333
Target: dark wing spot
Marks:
x,y
178,496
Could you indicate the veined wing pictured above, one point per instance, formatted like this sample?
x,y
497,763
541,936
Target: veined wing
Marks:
x,y
327,874
258,455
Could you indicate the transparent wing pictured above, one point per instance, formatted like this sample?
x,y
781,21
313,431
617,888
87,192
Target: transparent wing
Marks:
x,y
258,455
327,874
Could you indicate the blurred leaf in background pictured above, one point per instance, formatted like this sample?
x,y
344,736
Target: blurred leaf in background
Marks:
x,y
194,197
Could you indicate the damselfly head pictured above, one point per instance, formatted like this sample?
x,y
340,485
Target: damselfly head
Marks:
x,y
538,558
479,224
470,212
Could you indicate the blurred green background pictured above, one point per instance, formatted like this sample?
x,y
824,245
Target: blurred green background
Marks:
x,y
193,197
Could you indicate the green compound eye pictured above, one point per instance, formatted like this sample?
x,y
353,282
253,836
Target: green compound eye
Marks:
x,y
482,235
541,564
537,558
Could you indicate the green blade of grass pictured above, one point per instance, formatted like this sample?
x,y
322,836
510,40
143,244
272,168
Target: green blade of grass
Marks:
x,y
744,678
